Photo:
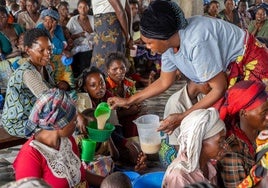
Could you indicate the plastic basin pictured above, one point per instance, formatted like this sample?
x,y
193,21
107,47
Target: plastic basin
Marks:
x,y
149,180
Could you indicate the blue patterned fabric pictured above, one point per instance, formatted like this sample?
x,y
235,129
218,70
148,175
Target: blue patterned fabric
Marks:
x,y
19,101
167,153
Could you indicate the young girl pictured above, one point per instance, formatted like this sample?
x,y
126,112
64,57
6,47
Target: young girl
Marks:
x,y
93,83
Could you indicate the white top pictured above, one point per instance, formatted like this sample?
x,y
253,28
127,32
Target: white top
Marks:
x,y
205,52
81,44
179,102
103,6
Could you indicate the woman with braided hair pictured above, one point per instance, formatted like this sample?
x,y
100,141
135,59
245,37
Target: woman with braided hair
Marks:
x,y
203,49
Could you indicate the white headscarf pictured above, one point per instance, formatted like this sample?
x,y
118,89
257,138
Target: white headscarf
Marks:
x,y
196,127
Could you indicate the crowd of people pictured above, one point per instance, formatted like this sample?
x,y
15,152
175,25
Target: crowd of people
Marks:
x,y
56,67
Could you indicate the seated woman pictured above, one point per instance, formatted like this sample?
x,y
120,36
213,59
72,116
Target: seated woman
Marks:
x,y
179,102
9,52
63,72
201,138
63,9
51,153
230,13
258,176
29,18
244,110
259,26
117,83
27,83
93,83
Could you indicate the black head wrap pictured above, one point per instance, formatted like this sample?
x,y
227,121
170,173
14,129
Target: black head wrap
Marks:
x,y
162,19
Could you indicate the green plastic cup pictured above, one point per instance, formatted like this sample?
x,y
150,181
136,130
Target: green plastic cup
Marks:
x,y
88,147
102,108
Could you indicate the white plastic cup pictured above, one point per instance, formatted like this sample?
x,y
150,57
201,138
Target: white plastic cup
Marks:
x,y
133,52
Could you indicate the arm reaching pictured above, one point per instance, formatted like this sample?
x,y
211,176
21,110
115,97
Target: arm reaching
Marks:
x,y
218,86
165,80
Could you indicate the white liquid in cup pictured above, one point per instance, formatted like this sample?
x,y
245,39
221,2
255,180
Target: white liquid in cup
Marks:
x,y
101,120
150,148
150,139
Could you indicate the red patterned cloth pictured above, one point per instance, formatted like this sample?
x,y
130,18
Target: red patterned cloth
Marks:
x,y
253,93
252,65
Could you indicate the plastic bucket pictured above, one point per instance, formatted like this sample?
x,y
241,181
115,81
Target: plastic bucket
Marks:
x,y
150,180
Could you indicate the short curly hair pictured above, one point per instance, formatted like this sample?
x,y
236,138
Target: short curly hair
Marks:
x,y
32,35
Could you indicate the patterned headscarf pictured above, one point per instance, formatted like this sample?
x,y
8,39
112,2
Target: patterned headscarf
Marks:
x,y
53,110
30,182
52,13
196,127
162,19
259,170
245,95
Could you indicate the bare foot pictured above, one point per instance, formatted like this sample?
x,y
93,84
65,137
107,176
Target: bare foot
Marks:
x,y
141,162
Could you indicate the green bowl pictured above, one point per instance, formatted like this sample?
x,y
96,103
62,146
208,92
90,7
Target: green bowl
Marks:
x,y
99,135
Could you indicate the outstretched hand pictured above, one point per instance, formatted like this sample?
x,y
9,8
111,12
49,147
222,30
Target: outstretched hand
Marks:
x,y
115,102
169,124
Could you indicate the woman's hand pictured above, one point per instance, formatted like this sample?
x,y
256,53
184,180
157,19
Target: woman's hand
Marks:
x,y
67,53
115,102
169,124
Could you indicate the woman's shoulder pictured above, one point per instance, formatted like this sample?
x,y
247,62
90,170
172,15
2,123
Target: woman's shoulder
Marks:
x,y
27,148
73,18
266,23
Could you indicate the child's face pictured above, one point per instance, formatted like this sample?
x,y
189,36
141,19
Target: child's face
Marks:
x,y
117,71
95,86
40,51
21,42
